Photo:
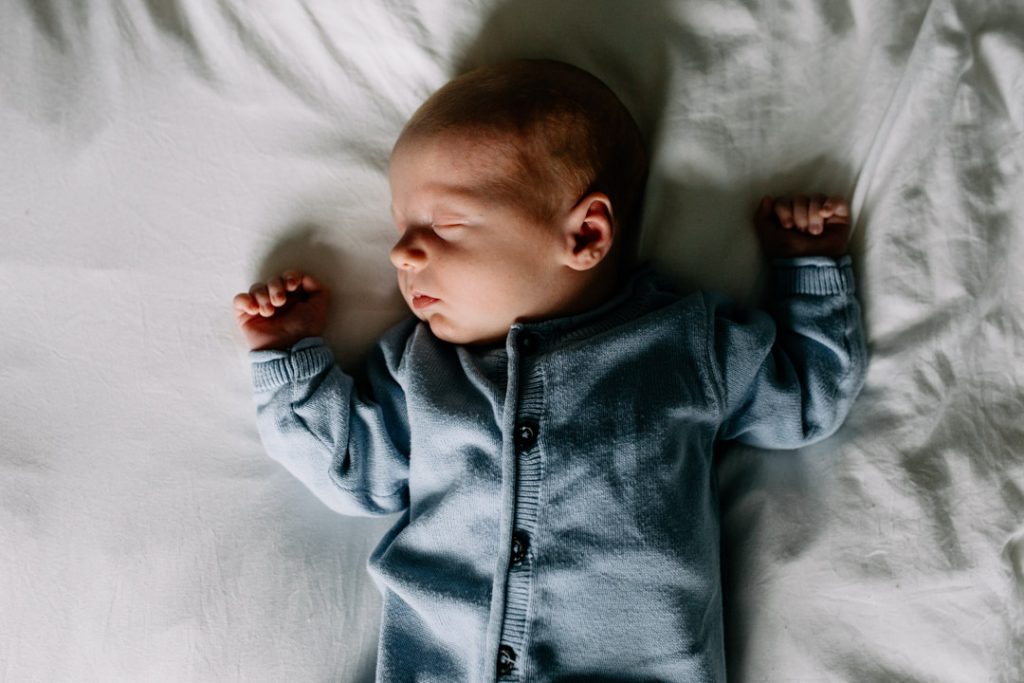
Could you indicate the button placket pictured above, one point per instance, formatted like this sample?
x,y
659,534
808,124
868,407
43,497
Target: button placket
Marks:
x,y
524,437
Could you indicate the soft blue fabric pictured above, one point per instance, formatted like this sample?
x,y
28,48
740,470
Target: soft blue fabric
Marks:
x,y
560,511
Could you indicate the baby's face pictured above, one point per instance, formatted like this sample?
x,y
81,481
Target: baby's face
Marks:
x,y
469,263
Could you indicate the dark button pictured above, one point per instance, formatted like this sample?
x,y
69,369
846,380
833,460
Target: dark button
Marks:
x,y
520,542
529,342
526,435
506,660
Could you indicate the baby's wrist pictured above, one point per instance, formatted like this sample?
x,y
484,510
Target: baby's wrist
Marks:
x,y
274,367
306,342
292,344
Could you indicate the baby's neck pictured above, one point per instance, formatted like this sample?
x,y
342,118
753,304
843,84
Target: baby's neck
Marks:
x,y
589,292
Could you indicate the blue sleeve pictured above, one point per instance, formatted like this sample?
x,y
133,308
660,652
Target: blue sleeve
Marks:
x,y
349,446
787,377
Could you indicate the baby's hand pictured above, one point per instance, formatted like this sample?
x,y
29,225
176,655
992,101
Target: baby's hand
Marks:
x,y
802,226
280,312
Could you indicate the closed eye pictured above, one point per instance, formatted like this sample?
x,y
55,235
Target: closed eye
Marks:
x,y
448,228
432,226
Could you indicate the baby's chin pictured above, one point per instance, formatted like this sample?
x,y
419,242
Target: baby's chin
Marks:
x,y
445,330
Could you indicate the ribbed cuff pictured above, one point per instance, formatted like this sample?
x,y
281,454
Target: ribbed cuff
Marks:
x,y
273,368
815,275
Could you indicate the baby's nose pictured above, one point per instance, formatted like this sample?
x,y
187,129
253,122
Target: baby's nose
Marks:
x,y
406,256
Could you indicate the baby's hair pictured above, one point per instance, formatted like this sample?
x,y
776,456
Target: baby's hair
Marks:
x,y
558,125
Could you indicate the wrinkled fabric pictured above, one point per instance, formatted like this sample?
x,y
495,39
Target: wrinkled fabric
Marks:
x,y
559,499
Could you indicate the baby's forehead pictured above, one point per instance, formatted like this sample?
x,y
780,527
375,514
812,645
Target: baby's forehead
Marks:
x,y
470,155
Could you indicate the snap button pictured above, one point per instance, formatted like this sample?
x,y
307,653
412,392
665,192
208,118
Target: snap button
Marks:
x,y
526,435
529,342
520,543
506,660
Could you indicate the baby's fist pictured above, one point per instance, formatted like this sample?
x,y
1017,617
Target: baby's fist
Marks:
x,y
280,312
803,226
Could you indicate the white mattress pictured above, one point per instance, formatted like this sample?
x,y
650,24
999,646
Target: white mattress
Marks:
x,y
157,157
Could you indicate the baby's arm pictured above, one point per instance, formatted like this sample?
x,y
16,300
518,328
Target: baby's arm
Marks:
x,y
788,377
349,447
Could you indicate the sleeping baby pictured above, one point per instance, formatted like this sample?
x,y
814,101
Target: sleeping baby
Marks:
x,y
545,420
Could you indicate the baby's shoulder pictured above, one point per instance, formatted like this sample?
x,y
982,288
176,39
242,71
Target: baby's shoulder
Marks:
x,y
670,304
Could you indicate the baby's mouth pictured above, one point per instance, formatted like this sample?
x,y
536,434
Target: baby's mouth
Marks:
x,y
422,301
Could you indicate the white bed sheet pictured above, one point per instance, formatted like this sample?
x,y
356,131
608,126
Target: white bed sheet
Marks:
x,y
158,156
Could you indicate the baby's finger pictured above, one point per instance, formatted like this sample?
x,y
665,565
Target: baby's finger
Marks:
x,y
800,212
292,279
276,290
259,292
311,284
835,206
246,304
814,222
784,210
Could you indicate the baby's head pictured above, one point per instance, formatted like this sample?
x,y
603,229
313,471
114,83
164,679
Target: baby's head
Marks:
x,y
516,189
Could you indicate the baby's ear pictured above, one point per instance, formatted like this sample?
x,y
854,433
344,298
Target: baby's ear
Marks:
x,y
589,232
